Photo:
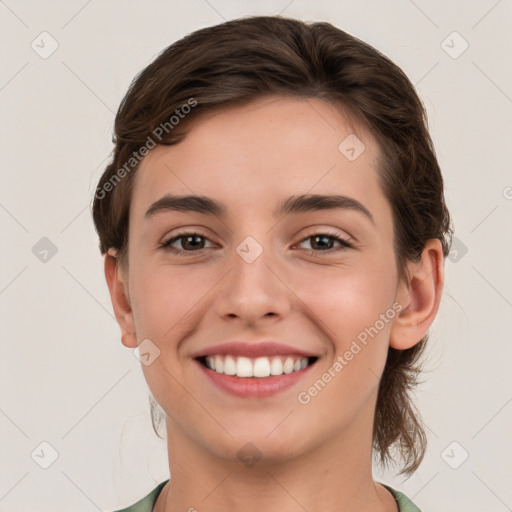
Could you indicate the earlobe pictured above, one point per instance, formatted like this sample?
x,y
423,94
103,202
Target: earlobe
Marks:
x,y
420,297
118,288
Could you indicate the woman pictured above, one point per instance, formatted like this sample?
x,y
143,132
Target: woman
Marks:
x,y
274,232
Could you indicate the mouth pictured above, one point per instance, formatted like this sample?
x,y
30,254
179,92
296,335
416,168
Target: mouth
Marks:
x,y
254,378
259,367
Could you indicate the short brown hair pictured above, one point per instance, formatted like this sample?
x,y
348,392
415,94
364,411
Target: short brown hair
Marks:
x,y
244,59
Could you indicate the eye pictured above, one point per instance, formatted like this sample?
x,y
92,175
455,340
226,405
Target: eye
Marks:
x,y
194,242
323,242
190,242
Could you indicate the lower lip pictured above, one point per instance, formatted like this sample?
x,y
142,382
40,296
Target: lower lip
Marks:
x,y
255,387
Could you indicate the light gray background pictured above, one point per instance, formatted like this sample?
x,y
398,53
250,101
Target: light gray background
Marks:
x,y
67,380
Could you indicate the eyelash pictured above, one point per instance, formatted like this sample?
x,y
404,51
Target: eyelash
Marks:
x,y
344,243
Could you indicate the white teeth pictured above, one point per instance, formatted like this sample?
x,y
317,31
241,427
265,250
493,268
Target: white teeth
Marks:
x,y
243,367
288,365
219,364
259,367
276,366
229,366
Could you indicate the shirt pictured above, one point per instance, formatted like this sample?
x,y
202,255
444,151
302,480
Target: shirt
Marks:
x,y
147,503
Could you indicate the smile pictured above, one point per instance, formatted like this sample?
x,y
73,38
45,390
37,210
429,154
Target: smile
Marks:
x,y
254,378
260,367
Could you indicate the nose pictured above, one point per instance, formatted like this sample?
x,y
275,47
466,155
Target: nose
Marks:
x,y
253,291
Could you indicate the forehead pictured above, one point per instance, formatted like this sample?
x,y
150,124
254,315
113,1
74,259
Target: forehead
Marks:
x,y
264,150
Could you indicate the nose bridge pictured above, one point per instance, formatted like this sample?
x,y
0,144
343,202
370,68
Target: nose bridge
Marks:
x,y
252,289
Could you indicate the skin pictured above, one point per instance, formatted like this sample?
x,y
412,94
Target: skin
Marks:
x,y
315,456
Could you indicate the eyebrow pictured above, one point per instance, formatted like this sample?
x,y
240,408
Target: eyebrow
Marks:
x,y
294,204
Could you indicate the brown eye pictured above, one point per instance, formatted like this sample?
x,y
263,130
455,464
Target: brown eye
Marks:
x,y
325,242
189,242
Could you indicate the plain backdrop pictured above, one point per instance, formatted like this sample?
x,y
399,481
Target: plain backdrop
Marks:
x,y
74,399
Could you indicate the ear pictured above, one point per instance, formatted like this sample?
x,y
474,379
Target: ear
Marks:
x,y
118,286
420,297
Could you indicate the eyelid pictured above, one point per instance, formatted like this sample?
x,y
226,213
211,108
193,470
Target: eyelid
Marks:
x,y
182,234
317,231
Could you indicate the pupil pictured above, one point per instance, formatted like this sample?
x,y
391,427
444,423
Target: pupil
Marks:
x,y
323,237
193,238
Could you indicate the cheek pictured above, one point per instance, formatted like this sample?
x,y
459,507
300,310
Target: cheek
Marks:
x,y
167,300
355,311
350,299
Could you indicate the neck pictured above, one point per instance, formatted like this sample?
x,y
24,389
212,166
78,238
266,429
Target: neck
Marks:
x,y
334,476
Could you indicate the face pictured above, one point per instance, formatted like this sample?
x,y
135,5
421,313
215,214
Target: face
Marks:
x,y
322,281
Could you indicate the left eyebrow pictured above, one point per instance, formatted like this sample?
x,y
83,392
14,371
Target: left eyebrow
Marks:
x,y
294,204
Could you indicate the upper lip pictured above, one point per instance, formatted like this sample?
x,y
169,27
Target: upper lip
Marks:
x,y
253,349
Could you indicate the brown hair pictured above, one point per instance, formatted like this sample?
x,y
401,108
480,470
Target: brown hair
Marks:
x,y
244,59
